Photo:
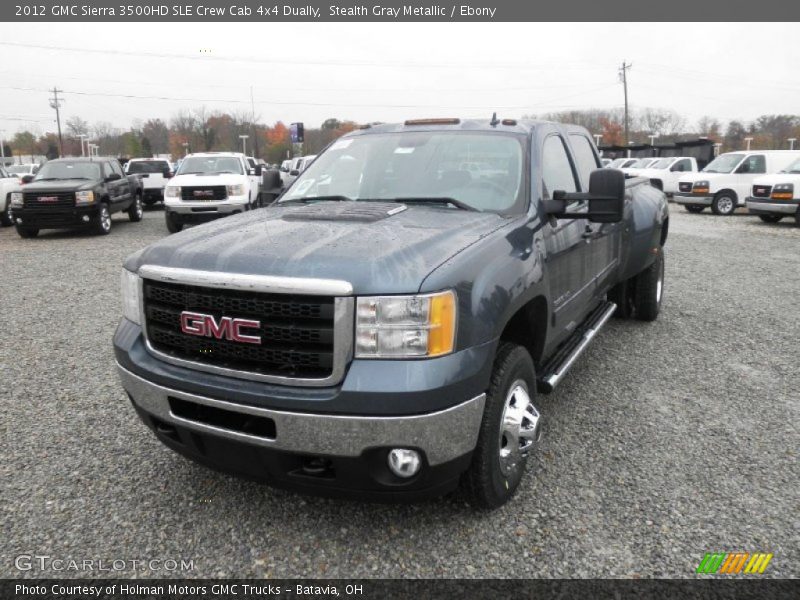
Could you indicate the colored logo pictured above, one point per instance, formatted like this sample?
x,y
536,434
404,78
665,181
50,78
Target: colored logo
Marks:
x,y
733,563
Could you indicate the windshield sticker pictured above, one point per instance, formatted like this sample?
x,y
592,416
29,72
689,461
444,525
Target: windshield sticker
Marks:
x,y
341,144
404,150
303,187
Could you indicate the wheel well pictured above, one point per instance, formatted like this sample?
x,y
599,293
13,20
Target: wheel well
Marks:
x,y
664,232
528,327
657,183
728,191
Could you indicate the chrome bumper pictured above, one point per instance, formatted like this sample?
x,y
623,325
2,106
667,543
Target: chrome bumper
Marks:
x,y
785,208
232,204
681,198
442,436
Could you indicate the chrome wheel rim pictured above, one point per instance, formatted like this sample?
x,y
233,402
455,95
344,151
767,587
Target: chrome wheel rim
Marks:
x,y
518,427
105,219
725,205
659,285
139,209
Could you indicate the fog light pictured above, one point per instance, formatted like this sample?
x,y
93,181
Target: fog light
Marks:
x,y
403,462
85,218
19,221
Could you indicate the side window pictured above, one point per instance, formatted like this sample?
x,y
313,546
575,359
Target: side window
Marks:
x,y
557,173
755,163
585,159
682,165
117,168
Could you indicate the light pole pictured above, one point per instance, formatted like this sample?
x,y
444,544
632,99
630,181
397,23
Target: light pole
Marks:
x,y
791,143
653,137
597,138
717,147
185,148
244,143
748,140
2,147
82,135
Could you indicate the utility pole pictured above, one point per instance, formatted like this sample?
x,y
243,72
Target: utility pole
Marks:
x,y
253,121
623,76
56,103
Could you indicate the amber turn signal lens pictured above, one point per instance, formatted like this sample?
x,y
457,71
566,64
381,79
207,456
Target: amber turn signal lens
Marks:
x,y
442,322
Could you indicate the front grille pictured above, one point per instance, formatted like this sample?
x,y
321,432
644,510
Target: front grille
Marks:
x,y
685,187
207,192
762,191
48,200
296,331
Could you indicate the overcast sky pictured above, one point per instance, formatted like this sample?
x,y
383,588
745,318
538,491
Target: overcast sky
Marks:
x,y
392,71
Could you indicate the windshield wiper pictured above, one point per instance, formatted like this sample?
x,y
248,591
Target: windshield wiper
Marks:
x,y
50,179
318,199
434,200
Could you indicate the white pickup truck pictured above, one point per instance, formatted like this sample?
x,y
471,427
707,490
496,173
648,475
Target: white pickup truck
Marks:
x,y
9,182
665,172
774,197
207,186
727,180
155,172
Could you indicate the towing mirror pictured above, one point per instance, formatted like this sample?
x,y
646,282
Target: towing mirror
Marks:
x,y
114,177
258,170
606,198
294,172
271,179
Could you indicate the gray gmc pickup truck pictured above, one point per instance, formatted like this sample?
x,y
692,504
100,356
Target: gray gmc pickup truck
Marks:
x,y
384,328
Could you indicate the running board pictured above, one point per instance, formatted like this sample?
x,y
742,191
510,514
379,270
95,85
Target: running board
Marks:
x,y
555,370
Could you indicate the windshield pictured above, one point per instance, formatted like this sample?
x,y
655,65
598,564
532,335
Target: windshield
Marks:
x,y
210,165
148,166
69,170
792,168
724,164
662,164
19,169
482,171
641,163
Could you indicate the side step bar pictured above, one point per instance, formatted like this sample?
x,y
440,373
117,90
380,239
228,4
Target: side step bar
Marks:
x,y
564,359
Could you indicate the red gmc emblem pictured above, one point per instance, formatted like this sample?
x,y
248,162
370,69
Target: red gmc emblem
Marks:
x,y
48,198
228,328
203,194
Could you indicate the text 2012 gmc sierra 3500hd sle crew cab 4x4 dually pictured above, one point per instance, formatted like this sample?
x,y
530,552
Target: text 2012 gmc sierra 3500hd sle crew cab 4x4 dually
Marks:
x,y
383,329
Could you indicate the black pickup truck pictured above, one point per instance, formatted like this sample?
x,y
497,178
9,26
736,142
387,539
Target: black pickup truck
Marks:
x,y
384,328
72,193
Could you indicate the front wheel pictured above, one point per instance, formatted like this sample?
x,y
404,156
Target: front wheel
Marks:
x,y
724,204
694,208
173,225
509,429
136,210
6,220
650,289
102,224
770,218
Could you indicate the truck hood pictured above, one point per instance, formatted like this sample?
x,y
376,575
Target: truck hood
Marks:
x,y
202,180
778,178
63,185
701,176
359,242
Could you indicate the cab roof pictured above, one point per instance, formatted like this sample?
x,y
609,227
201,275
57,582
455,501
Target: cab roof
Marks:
x,y
500,125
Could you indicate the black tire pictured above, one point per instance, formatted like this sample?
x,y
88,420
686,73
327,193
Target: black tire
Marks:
x,y
724,203
149,201
136,210
622,295
173,225
797,217
770,218
694,208
102,223
5,216
27,232
650,289
487,484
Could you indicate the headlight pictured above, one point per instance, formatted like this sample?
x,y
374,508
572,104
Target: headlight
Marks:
x,y
172,191
86,197
405,326
16,199
700,187
236,190
783,191
130,296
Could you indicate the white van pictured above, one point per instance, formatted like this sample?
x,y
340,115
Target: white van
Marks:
x,y
725,183
666,172
774,197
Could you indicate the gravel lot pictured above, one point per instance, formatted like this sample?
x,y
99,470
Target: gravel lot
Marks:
x,y
666,441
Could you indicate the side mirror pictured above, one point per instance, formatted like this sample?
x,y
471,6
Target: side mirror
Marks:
x,y
294,172
743,168
271,180
258,170
27,178
114,177
606,198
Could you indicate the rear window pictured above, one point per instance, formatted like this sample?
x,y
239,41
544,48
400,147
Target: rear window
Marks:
x,y
150,166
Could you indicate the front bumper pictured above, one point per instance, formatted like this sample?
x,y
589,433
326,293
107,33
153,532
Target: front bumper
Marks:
x,y
684,198
766,206
232,204
311,452
57,218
